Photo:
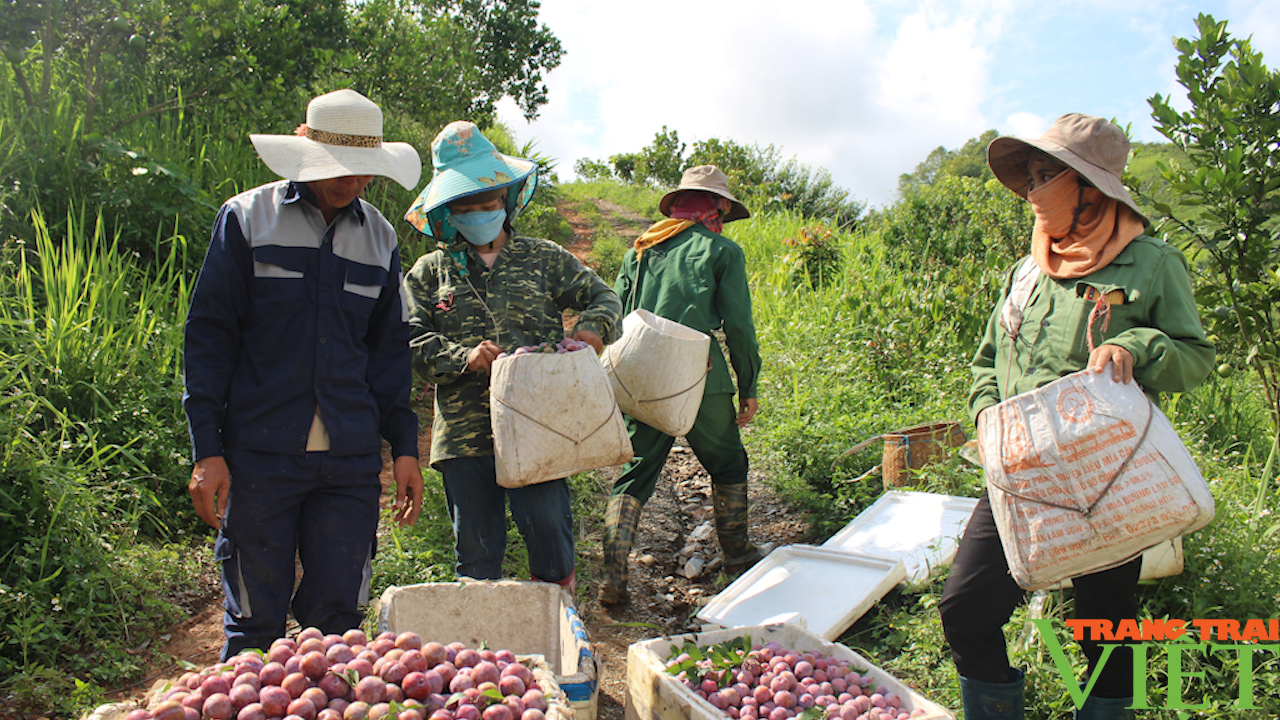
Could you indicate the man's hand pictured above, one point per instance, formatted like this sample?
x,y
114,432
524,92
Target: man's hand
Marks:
x,y
747,408
1121,362
591,339
480,359
210,487
408,489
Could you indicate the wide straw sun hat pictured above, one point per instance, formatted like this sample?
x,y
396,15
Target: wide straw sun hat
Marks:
x,y
342,136
466,163
1092,146
708,178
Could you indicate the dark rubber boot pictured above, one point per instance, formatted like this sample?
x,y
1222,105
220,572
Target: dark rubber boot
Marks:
x,y
1099,708
621,518
730,503
992,701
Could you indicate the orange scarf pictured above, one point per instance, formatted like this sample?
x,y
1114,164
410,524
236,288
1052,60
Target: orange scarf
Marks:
x,y
660,232
1078,229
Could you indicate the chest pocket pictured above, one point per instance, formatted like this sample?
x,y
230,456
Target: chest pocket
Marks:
x,y
1099,313
459,313
365,280
280,275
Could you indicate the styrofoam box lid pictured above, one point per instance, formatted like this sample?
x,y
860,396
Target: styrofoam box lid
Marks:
x,y
921,529
646,671
823,590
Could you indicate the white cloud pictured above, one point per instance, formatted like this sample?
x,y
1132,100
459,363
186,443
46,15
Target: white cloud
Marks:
x,y
864,88
1025,125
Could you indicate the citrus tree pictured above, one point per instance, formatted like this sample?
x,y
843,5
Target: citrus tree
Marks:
x,y
1225,206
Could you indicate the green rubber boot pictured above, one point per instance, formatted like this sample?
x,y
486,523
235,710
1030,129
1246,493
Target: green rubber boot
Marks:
x,y
730,503
1098,708
992,701
621,518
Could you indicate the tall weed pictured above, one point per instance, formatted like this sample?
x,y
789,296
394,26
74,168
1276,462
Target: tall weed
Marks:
x,y
92,446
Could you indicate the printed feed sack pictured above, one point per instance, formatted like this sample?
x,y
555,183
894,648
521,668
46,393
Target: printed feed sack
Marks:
x,y
1084,474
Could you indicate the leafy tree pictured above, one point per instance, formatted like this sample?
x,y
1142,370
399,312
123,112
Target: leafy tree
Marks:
x,y
759,176
969,161
1226,197
134,107
436,61
659,163
954,220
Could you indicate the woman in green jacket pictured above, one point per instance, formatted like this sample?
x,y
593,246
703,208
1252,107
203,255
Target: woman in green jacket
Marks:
x,y
684,270
1095,291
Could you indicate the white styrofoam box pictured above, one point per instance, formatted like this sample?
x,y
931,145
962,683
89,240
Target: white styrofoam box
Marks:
x,y
523,617
654,694
919,528
816,588
1163,560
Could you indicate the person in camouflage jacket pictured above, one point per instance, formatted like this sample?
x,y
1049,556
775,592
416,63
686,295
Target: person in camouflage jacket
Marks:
x,y
483,291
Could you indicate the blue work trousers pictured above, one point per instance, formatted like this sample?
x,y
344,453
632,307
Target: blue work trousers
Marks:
x,y
478,509
322,509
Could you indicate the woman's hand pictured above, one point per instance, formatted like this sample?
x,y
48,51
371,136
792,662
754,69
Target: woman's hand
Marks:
x,y
591,339
1121,362
747,408
481,357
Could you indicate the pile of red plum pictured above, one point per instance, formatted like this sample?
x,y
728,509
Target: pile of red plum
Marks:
x,y
350,677
773,683
566,345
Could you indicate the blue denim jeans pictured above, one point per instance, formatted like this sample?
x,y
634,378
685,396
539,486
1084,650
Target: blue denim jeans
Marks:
x,y
477,508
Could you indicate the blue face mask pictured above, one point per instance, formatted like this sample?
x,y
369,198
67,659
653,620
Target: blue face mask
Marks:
x,y
481,227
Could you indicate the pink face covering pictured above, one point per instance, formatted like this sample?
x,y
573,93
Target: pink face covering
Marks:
x,y
701,207
1078,229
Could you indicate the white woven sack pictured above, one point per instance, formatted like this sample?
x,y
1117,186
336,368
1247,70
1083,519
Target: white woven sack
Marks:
x,y
553,416
1083,475
658,369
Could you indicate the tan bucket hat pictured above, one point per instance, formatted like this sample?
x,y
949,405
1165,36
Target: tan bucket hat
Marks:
x,y
342,136
1092,146
708,178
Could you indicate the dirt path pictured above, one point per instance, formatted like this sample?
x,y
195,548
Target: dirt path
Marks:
x,y
676,536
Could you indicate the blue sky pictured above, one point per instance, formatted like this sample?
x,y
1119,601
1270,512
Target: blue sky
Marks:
x,y
863,88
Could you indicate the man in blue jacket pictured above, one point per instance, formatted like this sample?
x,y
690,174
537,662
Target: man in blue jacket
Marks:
x,y
297,364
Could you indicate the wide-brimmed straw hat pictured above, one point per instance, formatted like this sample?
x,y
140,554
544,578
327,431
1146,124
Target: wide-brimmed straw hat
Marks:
x,y
710,179
1092,146
342,136
466,163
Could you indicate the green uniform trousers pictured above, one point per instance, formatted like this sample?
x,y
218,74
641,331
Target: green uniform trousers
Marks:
x,y
714,439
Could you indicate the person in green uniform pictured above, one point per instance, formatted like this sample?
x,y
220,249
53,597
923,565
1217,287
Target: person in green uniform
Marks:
x,y
1096,291
487,290
684,270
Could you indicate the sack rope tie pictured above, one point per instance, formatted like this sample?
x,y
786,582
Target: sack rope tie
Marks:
x,y
614,374
1088,511
1101,309
545,426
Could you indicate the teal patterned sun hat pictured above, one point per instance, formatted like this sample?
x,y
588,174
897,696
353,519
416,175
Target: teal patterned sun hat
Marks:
x,y
466,163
